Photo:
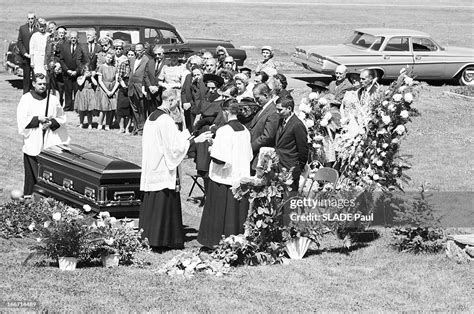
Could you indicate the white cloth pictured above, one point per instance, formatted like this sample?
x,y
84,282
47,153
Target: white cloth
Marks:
x,y
235,150
163,149
38,51
33,141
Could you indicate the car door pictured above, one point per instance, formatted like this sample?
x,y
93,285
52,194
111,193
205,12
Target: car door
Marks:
x,y
429,63
396,54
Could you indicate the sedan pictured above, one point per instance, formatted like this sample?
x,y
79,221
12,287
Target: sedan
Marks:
x,y
387,51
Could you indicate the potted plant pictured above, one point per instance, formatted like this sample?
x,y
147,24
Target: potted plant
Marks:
x,y
63,237
299,235
115,241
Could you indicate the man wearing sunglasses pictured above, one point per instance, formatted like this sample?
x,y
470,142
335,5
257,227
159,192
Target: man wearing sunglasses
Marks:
x,y
23,44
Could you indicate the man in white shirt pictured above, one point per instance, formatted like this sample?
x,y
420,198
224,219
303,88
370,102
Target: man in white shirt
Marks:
x,y
41,124
38,47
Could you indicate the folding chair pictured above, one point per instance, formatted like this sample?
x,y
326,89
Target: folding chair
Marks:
x,y
195,178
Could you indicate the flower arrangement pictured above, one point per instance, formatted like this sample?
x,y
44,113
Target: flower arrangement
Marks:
x,y
64,234
110,236
19,218
369,146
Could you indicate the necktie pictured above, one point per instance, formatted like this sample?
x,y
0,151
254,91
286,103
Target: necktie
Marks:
x,y
90,48
73,47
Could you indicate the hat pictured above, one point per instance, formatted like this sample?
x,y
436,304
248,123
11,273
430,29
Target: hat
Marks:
x,y
247,101
317,85
244,69
172,50
269,48
219,81
41,21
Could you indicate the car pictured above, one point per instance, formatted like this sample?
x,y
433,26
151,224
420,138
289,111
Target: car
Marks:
x,y
387,51
133,30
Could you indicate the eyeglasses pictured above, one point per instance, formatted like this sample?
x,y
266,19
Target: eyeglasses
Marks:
x,y
209,65
339,73
106,45
212,88
118,48
228,62
159,54
280,109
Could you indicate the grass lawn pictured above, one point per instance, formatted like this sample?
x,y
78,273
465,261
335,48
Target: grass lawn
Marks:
x,y
371,277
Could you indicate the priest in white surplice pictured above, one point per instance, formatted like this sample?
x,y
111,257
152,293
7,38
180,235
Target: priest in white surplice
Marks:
x,y
40,129
164,147
231,154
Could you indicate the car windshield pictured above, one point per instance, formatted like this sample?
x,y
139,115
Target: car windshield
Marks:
x,y
363,40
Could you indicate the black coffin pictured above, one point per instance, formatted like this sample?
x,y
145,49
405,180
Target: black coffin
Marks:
x,y
78,176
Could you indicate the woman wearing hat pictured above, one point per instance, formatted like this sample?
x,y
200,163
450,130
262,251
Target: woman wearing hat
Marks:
x,y
231,154
172,76
241,81
106,44
267,62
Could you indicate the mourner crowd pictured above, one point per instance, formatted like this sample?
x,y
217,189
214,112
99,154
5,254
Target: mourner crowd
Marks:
x,y
206,108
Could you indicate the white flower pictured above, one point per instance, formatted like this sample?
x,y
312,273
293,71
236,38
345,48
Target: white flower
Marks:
x,y
327,116
383,154
87,208
46,224
57,216
104,215
31,227
384,145
395,141
72,211
312,96
353,163
402,88
366,160
408,80
395,171
304,107
385,103
404,114
360,154
376,177
400,129
386,119
100,223
391,107
113,220
109,241
408,97
382,131
379,163
309,123
323,101
397,97
38,239
324,123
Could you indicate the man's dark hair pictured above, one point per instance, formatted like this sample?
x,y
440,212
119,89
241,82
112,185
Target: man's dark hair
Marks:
x,y
37,76
264,75
286,102
282,79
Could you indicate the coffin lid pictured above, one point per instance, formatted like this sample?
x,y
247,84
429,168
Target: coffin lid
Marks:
x,y
95,161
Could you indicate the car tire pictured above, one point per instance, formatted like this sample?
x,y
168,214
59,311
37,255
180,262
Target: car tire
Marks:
x,y
466,78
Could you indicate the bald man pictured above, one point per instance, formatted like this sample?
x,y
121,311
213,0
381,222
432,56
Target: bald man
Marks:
x,y
71,58
342,84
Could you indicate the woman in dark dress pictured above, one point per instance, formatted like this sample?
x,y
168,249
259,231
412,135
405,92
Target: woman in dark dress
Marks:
x,y
231,154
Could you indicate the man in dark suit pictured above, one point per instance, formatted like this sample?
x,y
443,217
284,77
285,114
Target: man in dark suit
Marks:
x,y
264,125
91,49
23,43
136,88
71,59
291,146
152,72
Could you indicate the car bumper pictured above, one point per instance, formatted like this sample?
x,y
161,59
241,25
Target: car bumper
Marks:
x,y
314,64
